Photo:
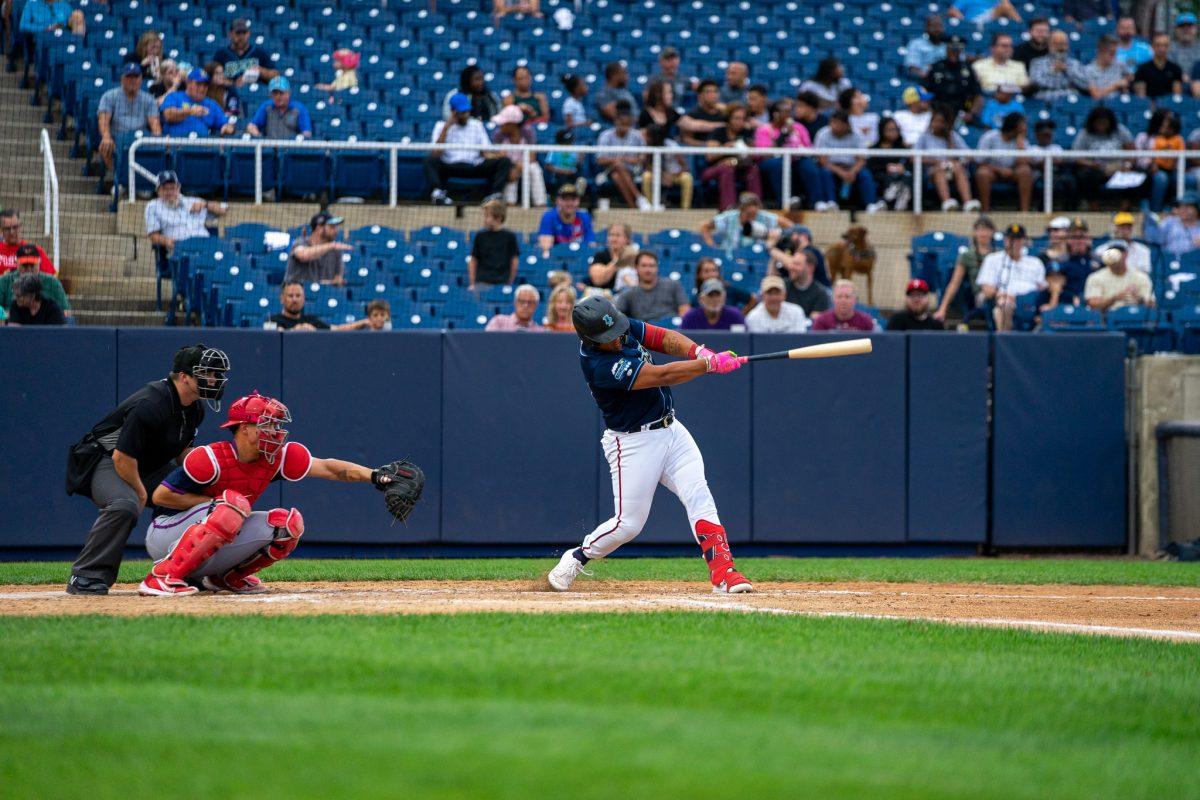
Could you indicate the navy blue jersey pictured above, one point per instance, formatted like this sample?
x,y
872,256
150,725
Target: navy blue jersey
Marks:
x,y
610,376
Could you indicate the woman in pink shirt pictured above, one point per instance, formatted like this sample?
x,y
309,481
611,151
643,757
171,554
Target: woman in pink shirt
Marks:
x,y
783,131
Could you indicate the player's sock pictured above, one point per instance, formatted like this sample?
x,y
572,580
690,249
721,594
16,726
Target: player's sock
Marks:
x,y
579,556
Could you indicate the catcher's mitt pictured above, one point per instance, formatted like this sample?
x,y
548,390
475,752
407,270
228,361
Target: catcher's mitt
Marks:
x,y
401,483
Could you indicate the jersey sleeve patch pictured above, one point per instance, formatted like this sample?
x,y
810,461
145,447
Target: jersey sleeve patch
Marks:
x,y
617,373
200,466
297,461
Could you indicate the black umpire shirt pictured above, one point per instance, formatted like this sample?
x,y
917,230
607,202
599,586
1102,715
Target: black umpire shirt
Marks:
x,y
151,425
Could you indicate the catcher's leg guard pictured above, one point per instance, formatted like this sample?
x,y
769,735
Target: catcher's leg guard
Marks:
x,y
197,545
289,527
721,570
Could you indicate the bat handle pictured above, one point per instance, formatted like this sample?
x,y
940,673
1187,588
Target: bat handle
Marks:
x,y
743,359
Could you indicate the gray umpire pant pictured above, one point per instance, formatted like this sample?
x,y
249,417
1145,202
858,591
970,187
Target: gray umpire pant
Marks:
x,y
105,546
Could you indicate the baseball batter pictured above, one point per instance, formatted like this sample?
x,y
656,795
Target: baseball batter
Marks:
x,y
215,539
644,443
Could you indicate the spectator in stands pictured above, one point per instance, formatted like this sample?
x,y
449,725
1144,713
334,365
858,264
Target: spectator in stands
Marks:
x,y
737,82
802,287
125,110
573,111
1006,275
952,82
712,314
525,303
1000,67
562,166
923,51
1101,131
565,222
783,131
1116,285
675,168
668,70
623,168
534,105
807,112
616,81
10,227
29,262
495,251
559,308
1066,195
191,112
980,12
1010,136
961,288
730,172
1177,233
379,318
799,239
173,217
659,110
775,314
147,54
844,316
1078,12
30,307
483,104
828,82
849,172
168,80
707,269
863,122
1036,45
1106,75
441,165
345,63
1131,48
915,315
50,15
1003,103
1137,255
615,259
221,90
1162,133
1056,74
291,316
317,258
757,111
741,226
1158,76
654,297
942,136
511,130
1057,232
892,177
281,117
1185,50
1066,277
705,118
913,119
531,7
245,63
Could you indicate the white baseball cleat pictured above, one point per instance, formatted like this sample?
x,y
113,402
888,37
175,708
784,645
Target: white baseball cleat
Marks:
x,y
734,583
564,574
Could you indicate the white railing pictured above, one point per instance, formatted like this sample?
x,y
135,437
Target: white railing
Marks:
x,y
656,154
50,195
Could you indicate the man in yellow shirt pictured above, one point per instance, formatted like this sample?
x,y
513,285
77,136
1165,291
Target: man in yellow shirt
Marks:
x,y
1000,67
1117,285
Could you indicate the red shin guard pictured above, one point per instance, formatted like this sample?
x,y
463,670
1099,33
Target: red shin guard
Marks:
x,y
202,540
715,547
289,526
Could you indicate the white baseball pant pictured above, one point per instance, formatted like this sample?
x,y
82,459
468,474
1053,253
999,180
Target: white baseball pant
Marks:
x,y
638,463
166,530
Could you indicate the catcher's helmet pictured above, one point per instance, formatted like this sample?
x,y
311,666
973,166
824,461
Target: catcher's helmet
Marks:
x,y
597,320
265,413
209,366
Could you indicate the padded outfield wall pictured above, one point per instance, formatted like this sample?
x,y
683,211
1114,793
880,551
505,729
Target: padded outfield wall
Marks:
x,y
886,449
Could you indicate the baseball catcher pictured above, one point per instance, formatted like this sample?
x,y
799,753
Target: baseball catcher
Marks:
x,y
207,533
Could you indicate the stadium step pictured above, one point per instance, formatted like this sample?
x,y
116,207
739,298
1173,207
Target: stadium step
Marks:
x,y
14,146
70,203
140,288
73,181
142,319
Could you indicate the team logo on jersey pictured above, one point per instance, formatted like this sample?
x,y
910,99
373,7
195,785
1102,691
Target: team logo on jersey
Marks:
x,y
608,320
621,369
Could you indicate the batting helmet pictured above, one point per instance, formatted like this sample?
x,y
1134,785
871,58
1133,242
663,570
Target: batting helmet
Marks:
x,y
265,413
597,320
209,366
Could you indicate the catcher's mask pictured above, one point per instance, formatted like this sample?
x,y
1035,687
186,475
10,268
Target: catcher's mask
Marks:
x,y
209,367
265,413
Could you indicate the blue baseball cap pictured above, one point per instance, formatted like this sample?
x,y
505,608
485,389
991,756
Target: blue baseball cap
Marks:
x,y
279,84
131,69
198,75
1186,18
459,102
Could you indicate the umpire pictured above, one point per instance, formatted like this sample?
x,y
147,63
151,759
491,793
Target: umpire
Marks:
x,y
134,447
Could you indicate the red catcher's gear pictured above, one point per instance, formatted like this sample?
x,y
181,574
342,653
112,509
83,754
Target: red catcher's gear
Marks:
x,y
715,547
198,544
289,527
268,415
216,468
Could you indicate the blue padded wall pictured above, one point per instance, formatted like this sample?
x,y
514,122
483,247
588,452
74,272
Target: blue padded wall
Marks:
x,y
1058,468
518,440
716,410
947,437
829,443
367,398
57,384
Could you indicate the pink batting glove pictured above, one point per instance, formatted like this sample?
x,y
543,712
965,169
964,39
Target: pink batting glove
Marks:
x,y
704,352
724,363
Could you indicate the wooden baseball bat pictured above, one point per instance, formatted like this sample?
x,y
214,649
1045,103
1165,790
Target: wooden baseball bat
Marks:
x,y
849,347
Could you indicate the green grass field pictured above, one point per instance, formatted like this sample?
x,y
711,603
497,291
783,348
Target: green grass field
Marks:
x,y
648,705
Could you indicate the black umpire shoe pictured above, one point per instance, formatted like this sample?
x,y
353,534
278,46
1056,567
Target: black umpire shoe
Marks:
x,y
81,585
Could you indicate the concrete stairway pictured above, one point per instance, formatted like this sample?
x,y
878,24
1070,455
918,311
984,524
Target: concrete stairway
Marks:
x,y
109,276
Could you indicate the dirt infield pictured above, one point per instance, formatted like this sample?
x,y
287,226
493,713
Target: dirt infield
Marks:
x,y
1159,612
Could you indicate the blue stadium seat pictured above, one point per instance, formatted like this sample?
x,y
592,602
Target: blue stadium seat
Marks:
x,y
1072,318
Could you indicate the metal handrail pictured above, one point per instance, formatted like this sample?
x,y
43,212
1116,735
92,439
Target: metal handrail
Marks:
x,y
50,226
394,148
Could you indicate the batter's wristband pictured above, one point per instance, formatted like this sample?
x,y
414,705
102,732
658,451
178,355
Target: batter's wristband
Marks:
x,y
694,349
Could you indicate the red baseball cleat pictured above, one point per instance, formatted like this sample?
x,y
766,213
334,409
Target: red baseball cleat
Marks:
x,y
734,582
164,586
251,584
